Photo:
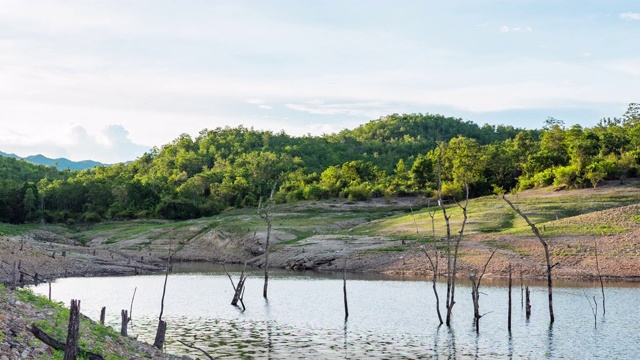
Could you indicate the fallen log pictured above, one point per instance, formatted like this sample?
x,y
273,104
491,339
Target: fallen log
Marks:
x,y
45,338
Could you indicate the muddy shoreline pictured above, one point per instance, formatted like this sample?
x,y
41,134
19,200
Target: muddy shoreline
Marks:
x,y
62,257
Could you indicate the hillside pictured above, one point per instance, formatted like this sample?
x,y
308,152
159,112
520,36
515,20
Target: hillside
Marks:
x,y
59,163
378,236
62,163
395,156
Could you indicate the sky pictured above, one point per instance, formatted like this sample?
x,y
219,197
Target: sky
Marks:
x,y
108,80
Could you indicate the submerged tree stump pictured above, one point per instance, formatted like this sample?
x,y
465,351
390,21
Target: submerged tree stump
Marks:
x,y
527,302
162,329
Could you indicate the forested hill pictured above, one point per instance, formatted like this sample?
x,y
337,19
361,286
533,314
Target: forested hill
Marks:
x,y
393,156
59,163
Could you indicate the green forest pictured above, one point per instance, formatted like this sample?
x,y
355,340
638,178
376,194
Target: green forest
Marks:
x,y
396,155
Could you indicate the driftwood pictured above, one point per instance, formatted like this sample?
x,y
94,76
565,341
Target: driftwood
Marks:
x,y
45,338
547,256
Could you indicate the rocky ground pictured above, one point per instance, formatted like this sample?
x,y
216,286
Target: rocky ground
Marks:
x,y
19,311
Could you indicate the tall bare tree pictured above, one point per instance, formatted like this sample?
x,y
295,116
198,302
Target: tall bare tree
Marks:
x,y
265,214
434,262
547,256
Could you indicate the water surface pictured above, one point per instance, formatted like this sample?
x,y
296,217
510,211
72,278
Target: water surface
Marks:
x,y
390,317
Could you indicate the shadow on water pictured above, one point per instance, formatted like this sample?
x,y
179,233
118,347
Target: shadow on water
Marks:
x,y
550,344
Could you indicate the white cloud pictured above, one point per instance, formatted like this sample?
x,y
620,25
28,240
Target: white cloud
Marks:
x,y
110,145
367,109
630,16
506,29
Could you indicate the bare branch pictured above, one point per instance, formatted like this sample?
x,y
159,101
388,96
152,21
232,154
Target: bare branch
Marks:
x,y
196,348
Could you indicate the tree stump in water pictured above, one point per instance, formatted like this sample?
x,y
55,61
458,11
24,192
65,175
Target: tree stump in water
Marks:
x,y
162,329
527,302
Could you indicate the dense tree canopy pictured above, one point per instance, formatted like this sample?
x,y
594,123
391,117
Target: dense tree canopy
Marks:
x,y
395,155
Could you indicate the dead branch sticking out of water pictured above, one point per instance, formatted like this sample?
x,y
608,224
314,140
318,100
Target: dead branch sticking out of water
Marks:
x,y
528,302
475,292
344,290
545,245
594,308
509,314
196,348
434,264
604,309
265,212
162,325
238,291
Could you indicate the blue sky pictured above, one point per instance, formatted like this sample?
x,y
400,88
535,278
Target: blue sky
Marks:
x,y
107,80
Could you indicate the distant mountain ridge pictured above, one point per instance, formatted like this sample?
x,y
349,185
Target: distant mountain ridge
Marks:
x,y
60,163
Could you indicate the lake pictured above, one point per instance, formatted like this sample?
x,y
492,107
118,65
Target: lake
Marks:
x,y
389,316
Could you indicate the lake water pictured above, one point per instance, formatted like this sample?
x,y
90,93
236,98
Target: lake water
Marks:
x,y
390,317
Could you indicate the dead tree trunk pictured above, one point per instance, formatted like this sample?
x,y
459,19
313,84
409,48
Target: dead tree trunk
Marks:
x,y
264,212
475,292
125,319
546,254
528,303
594,311
102,314
509,314
160,333
131,306
45,338
449,301
521,289
238,291
162,325
344,290
434,267
454,269
604,308
73,332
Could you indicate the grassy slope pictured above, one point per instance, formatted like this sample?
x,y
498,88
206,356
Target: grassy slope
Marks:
x,y
555,211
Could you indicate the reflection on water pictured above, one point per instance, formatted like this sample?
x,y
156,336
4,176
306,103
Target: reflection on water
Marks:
x,y
389,317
